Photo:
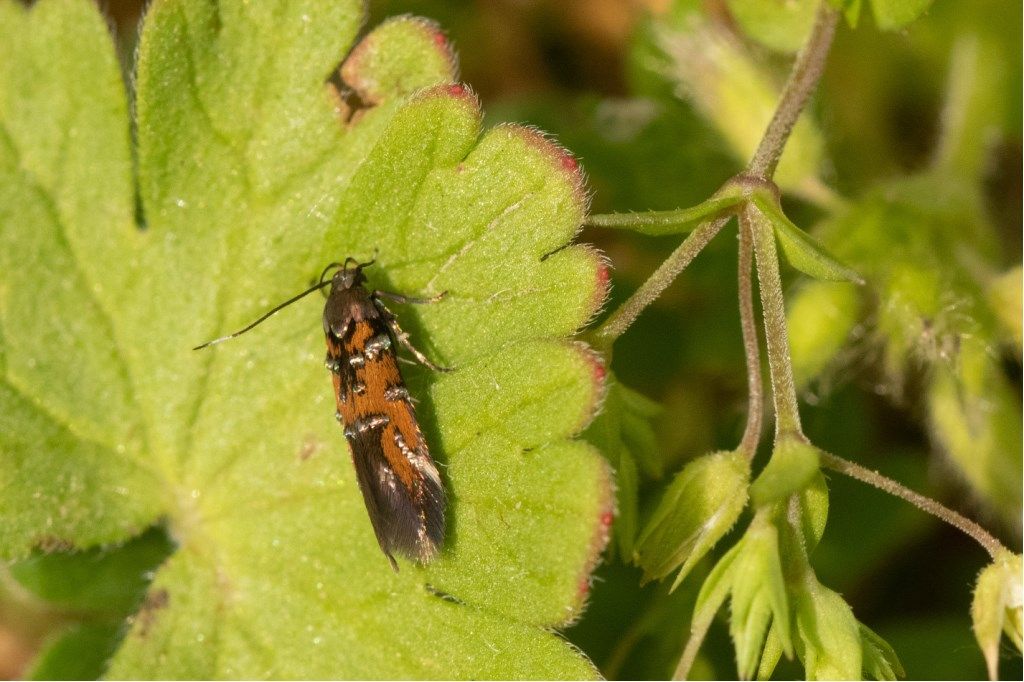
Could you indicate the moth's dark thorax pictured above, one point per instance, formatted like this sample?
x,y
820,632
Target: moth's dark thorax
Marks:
x,y
345,307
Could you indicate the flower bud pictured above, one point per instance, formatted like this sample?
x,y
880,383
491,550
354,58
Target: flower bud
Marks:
x,y
996,608
699,507
792,467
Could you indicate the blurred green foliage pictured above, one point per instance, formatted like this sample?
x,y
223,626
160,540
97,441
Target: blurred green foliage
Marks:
x,y
881,107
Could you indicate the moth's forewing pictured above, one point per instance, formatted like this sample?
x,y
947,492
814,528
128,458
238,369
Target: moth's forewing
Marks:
x,y
398,479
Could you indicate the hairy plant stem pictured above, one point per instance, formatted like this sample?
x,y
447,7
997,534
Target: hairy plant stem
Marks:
x,y
752,352
806,71
780,367
803,78
925,504
626,314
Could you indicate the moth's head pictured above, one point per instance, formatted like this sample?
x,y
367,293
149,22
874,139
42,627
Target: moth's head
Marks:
x,y
350,274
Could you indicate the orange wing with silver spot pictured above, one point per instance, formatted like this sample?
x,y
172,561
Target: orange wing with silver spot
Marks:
x,y
399,480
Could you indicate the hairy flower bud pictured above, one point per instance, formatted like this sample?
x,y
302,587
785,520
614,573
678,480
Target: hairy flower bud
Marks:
x,y
699,507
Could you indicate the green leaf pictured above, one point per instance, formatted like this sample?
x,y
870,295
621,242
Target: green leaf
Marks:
x,y
782,25
624,434
102,580
700,506
253,174
679,221
802,251
65,391
401,56
78,653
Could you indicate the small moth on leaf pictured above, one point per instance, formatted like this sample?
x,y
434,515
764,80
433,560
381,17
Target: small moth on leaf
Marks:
x,y
397,476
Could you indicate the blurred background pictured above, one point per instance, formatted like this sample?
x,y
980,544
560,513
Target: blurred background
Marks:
x,y
636,89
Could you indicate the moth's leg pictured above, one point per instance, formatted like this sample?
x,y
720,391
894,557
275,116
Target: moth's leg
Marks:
x,y
399,298
403,338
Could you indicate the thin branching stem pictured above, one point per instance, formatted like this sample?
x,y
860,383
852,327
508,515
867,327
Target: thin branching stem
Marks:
x,y
780,366
979,534
803,78
752,352
626,314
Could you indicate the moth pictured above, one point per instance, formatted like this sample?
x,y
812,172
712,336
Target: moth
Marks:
x,y
398,479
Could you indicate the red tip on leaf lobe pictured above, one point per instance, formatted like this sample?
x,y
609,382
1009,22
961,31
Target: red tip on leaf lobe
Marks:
x,y
560,157
598,372
599,540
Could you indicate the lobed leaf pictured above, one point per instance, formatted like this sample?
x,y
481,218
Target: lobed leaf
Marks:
x,y
624,434
73,466
253,173
102,581
78,653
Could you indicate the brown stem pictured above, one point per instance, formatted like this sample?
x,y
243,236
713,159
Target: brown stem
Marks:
x,y
626,314
780,366
752,352
803,78
979,534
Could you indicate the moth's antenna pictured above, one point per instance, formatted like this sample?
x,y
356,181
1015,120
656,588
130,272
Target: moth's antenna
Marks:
x,y
332,265
293,299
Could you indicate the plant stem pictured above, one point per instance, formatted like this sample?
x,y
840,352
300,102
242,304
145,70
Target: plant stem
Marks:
x,y
626,314
752,353
803,78
979,534
780,367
